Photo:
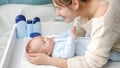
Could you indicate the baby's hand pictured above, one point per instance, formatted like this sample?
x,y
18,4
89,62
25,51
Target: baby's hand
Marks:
x,y
73,32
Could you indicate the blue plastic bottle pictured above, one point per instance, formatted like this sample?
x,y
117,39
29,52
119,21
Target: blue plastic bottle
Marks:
x,y
36,25
29,27
20,26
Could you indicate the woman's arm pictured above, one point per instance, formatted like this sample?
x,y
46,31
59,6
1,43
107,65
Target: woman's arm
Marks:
x,y
59,62
40,58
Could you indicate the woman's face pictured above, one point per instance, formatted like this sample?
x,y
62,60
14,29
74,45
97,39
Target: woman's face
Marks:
x,y
77,8
68,14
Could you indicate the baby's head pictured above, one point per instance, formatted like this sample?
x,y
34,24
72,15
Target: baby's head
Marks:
x,y
40,44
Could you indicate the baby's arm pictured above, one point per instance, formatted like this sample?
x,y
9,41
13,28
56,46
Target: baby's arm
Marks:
x,y
73,32
66,50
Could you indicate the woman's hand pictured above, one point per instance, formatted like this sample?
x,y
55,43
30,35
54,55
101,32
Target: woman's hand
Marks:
x,y
43,59
37,58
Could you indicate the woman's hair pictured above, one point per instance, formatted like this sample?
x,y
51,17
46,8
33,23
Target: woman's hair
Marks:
x,y
66,2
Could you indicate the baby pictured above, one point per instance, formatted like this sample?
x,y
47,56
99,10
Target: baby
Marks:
x,y
64,45
55,47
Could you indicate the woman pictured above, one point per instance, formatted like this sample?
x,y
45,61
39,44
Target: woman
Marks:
x,y
100,19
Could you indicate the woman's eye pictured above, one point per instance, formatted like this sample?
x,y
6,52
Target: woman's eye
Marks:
x,y
58,8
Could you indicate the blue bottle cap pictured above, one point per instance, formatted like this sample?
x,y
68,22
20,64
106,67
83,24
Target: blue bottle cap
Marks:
x,y
32,35
29,21
36,19
19,18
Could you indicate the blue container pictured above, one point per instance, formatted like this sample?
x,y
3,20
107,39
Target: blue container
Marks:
x,y
20,26
36,25
29,27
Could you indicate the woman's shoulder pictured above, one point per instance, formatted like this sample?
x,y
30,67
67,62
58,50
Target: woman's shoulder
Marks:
x,y
102,10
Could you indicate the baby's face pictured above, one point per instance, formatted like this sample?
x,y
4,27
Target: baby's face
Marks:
x,y
40,45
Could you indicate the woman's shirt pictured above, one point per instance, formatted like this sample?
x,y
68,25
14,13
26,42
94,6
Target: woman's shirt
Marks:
x,y
105,35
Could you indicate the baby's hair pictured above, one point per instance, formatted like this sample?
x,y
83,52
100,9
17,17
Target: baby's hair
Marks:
x,y
28,44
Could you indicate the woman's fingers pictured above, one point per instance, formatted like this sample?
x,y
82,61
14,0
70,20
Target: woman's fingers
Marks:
x,y
32,57
30,54
37,58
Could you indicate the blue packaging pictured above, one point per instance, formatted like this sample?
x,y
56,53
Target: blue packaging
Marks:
x,y
36,25
29,27
20,26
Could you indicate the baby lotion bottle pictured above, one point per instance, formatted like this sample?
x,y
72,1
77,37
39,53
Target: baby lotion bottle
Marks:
x,y
29,27
36,25
20,26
